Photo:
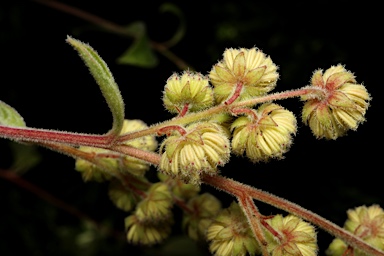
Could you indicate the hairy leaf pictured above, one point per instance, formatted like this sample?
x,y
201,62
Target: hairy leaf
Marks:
x,y
9,116
105,80
140,53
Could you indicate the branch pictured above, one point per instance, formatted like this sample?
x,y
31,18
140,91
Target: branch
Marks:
x,y
238,189
44,135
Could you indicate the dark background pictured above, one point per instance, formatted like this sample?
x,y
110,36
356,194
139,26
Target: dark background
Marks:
x,y
42,77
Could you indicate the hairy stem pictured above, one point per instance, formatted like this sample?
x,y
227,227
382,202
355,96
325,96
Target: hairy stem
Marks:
x,y
238,189
235,95
149,157
205,114
105,141
43,135
252,213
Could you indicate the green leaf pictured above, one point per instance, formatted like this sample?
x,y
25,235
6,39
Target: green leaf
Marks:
x,y
140,53
105,80
9,116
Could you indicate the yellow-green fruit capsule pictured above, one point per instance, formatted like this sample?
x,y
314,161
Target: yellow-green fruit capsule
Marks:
x,y
156,205
147,233
337,248
148,143
340,108
205,207
229,234
264,135
190,90
368,224
250,67
201,149
297,237
117,163
89,171
122,197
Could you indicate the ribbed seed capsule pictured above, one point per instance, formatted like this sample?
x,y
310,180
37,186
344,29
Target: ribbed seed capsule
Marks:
x,y
264,135
342,106
297,237
250,67
190,89
229,234
204,147
366,223
205,208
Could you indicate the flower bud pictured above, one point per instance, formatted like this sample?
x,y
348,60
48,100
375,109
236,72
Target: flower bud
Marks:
x,y
205,208
147,232
201,149
230,234
366,223
340,108
130,164
89,171
265,134
156,205
191,89
296,237
117,163
338,248
123,198
250,67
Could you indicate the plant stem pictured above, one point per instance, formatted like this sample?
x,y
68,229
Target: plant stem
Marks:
x,y
105,141
37,135
238,189
205,114
253,216
149,157
235,95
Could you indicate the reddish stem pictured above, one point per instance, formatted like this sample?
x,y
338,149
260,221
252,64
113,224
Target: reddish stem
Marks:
x,y
238,189
247,111
184,110
270,229
147,156
44,136
252,213
235,95
168,129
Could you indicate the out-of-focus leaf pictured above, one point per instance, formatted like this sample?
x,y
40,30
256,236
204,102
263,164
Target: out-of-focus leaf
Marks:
x,y
140,53
9,116
136,29
25,157
180,32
